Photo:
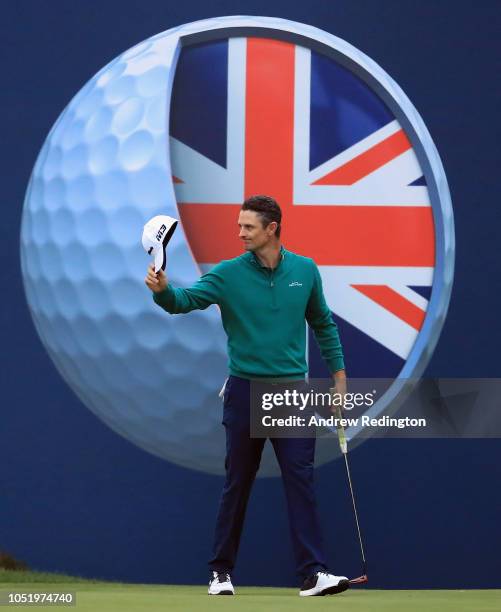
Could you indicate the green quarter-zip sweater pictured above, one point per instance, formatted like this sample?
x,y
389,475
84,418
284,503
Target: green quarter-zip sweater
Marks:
x,y
263,313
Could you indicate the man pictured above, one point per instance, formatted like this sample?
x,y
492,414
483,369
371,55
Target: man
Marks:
x,y
264,295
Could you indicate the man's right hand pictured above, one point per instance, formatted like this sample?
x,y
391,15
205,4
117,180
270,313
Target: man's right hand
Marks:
x,y
156,281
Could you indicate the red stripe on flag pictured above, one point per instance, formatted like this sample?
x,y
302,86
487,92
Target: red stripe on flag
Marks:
x,y
395,303
331,235
212,230
269,124
367,162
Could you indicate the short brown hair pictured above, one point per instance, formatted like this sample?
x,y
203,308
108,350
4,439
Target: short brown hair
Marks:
x,y
267,208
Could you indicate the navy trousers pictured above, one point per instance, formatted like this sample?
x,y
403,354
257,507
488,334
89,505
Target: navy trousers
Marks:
x,y
243,454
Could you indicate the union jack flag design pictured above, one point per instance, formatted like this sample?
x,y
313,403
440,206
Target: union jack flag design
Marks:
x,y
252,115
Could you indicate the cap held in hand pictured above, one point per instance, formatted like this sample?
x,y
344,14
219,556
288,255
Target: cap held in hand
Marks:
x,y
156,235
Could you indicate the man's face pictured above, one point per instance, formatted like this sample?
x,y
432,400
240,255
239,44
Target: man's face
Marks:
x,y
252,232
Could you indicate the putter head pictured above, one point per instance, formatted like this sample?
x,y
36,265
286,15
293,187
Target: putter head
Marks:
x,y
360,580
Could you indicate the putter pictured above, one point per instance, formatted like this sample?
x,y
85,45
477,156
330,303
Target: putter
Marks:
x,y
343,444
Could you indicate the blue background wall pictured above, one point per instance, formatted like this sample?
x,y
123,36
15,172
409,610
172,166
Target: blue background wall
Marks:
x,y
76,497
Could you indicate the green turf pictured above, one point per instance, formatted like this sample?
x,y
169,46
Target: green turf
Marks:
x,y
95,596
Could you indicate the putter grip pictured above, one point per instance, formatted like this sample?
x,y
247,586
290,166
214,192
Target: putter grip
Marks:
x,y
341,436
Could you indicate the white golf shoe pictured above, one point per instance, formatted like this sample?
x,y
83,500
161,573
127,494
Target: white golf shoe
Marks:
x,y
220,584
323,583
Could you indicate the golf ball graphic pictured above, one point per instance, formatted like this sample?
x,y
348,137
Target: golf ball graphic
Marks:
x,y
104,171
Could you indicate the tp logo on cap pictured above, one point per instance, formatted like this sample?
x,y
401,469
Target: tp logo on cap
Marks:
x,y
156,235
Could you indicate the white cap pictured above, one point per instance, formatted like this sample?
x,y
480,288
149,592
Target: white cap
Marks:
x,y
156,234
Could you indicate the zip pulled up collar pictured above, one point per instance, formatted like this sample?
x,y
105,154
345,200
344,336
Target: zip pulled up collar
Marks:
x,y
250,255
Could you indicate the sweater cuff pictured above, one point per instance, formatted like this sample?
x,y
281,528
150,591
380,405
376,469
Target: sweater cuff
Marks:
x,y
336,364
166,298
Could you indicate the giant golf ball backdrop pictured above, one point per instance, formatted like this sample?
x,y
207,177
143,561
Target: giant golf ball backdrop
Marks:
x,y
187,124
